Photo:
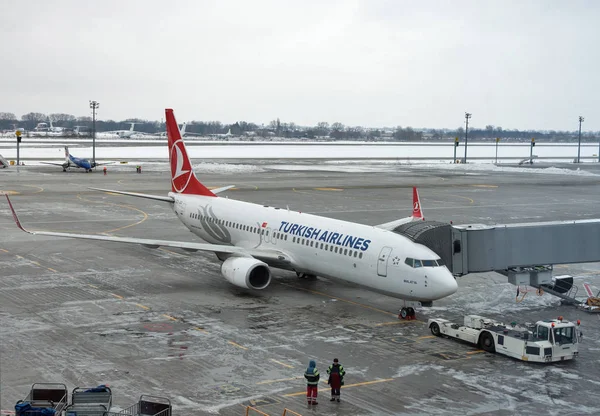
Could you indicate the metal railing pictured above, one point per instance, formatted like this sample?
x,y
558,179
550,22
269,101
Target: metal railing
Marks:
x,y
250,408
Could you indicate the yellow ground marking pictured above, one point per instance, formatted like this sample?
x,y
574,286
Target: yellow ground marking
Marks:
x,y
237,345
340,299
51,269
142,306
237,188
40,189
279,380
398,322
427,337
475,352
91,285
444,355
201,330
113,193
9,192
283,364
365,383
485,186
118,205
117,296
6,251
169,317
464,197
36,263
329,189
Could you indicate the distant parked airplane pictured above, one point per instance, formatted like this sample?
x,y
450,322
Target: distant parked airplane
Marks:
x,y
76,162
118,133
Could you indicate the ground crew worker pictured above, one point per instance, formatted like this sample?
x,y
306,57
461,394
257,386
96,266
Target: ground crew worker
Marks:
x,y
336,374
104,170
312,382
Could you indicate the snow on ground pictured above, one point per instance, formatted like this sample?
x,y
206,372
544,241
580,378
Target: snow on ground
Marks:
x,y
400,152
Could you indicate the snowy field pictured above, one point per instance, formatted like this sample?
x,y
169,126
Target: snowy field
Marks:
x,y
269,151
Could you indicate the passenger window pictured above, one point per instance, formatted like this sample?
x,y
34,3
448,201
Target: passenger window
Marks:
x,y
409,262
336,249
345,251
360,255
355,253
311,243
293,239
417,263
286,237
321,246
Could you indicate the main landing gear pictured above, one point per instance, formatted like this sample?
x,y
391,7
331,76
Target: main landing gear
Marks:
x,y
407,313
306,276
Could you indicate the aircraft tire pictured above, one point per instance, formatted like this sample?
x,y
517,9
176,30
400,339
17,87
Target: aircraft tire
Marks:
x,y
487,342
403,313
435,329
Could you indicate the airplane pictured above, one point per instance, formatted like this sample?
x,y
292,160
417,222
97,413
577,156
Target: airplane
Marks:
x,y
250,239
228,134
76,162
117,133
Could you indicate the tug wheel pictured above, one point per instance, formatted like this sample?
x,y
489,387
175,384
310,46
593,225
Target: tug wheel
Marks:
x,y
487,342
435,329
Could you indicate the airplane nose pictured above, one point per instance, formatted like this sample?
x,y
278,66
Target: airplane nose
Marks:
x,y
445,284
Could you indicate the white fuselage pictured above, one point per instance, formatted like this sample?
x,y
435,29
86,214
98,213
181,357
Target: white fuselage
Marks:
x,y
361,254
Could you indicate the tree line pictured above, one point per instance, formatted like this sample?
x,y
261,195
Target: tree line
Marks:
x,y
277,128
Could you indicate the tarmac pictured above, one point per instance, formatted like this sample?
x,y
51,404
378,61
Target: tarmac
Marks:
x,y
164,322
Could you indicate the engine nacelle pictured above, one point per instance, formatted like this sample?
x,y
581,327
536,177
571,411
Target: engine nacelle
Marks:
x,y
246,272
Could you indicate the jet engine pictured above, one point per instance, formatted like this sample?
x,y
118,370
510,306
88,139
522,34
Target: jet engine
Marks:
x,y
246,272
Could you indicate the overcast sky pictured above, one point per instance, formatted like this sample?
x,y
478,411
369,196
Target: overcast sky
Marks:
x,y
515,64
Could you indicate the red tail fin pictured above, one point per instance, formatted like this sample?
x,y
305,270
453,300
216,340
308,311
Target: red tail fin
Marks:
x,y
417,212
183,179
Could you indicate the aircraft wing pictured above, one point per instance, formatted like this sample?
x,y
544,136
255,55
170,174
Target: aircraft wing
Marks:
x,y
393,224
156,197
267,255
417,214
55,164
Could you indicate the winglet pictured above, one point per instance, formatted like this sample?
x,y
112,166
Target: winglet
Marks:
x,y
14,214
183,179
417,211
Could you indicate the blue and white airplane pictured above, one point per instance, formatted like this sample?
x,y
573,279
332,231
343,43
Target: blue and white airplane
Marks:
x,y
251,239
76,162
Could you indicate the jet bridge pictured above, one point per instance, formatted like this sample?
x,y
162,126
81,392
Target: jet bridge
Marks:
x,y
523,252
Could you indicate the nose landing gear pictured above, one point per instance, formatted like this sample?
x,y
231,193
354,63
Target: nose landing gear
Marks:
x,y
407,313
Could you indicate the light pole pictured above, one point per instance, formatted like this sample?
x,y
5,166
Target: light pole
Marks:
x,y
94,105
581,120
467,117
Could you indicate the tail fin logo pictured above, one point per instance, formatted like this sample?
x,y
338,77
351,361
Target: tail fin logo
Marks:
x,y
416,207
181,171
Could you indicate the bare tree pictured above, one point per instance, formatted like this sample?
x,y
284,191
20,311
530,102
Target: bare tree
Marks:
x,y
34,117
7,116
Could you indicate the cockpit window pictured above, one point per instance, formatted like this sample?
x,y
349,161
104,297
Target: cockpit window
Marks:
x,y
414,263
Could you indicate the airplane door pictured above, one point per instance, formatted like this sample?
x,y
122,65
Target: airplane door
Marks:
x,y
383,261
